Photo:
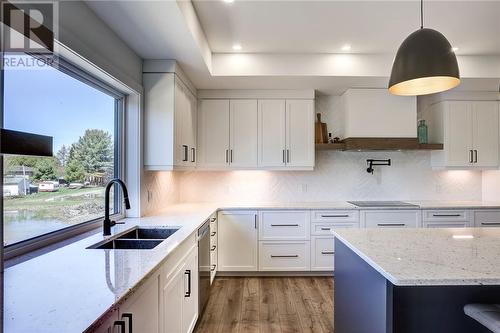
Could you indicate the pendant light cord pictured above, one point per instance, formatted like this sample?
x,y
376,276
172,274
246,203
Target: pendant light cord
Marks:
x,y
421,14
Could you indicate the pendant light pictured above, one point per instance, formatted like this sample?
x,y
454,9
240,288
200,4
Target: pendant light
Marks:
x,y
425,63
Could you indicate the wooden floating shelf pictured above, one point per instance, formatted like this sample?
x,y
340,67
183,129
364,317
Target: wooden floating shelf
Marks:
x,y
371,144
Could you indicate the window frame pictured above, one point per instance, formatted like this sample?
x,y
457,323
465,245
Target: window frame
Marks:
x,y
43,240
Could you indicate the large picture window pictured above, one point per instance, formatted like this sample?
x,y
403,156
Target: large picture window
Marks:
x,y
42,195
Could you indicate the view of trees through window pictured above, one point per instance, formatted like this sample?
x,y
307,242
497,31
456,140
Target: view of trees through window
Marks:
x,y
43,194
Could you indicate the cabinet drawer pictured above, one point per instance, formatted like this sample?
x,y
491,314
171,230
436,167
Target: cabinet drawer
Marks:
x,y
322,253
326,228
284,256
446,215
284,225
335,216
487,218
446,224
391,218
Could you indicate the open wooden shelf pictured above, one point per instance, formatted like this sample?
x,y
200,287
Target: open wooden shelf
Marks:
x,y
370,144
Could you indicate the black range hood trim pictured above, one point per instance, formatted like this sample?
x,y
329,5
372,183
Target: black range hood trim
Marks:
x,y
22,143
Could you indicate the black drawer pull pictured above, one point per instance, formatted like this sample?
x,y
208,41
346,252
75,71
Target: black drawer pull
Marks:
x,y
446,215
120,323
213,268
490,223
213,233
335,215
391,224
284,225
188,273
213,248
328,229
286,256
129,317
213,219
185,158
327,252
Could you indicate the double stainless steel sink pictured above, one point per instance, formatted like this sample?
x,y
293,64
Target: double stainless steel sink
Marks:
x,y
137,238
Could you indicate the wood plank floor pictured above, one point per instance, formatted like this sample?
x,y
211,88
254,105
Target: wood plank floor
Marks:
x,y
269,305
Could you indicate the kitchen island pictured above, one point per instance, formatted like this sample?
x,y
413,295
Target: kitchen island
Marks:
x,y
414,280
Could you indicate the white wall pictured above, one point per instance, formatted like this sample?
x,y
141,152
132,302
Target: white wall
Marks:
x,y
491,185
337,176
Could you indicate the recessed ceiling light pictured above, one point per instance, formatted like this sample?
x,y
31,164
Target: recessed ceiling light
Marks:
x,y
463,236
454,49
346,47
237,47
228,1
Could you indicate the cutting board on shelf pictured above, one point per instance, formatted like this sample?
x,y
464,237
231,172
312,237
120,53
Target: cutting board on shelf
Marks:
x,y
320,132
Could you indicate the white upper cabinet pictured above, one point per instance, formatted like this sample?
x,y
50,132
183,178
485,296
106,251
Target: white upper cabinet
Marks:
x,y
469,131
485,133
243,133
300,133
272,133
213,133
169,123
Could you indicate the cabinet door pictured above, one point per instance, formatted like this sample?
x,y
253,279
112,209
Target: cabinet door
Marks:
x,y
485,133
142,308
190,128
237,241
213,133
300,133
459,134
243,133
391,218
181,120
173,298
272,133
190,299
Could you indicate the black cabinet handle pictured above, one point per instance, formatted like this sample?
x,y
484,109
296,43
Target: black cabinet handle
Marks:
x,y
121,324
188,273
213,219
213,268
391,224
335,215
129,317
471,159
227,156
490,223
284,225
327,252
213,234
185,153
255,221
213,248
287,156
284,161
193,154
231,156
475,155
286,256
326,229
446,215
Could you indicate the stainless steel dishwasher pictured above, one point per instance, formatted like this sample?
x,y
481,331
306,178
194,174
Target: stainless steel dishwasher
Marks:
x,y
203,265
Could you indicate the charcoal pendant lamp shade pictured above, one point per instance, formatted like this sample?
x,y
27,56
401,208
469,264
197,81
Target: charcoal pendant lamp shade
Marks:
x,y
425,63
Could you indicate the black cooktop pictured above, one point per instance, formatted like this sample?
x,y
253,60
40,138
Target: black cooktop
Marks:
x,y
381,204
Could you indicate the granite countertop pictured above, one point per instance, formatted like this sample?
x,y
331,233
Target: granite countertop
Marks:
x,y
66,290
429,257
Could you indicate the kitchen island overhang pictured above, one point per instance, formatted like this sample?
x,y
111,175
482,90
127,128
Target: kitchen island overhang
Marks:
x,y
385,284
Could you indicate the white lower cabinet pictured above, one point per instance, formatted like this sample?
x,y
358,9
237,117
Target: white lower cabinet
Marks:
x,y
487,218
180,296
284,256
284,225
237,241
449,218
141,312
322,253
402,218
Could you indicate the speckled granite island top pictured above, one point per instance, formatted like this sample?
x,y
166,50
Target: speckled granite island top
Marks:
x,y
413,257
